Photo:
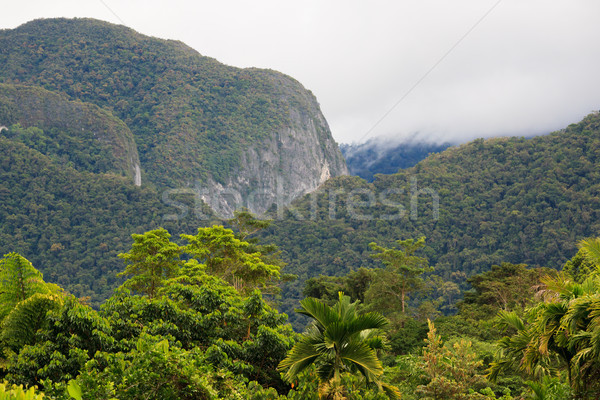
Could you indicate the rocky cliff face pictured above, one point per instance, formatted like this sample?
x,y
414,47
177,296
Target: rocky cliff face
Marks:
x,y
285,165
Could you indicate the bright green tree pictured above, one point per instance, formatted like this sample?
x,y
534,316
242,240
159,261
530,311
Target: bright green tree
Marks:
x,y
25,300
339,341
231,259
152,259
18,281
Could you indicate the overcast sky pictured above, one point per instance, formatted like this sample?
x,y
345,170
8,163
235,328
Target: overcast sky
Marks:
x,y
448,70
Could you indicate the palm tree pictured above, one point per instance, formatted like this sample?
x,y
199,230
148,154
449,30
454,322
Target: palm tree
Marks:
x,y
562,333
591,250
338,341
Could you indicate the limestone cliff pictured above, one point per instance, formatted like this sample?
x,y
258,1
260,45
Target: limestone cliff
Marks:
x,y
285,163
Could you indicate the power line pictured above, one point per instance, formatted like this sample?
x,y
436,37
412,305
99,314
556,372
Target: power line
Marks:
x,y
112,12
409,91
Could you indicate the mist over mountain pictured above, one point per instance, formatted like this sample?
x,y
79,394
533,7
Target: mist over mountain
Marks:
x,y
381,155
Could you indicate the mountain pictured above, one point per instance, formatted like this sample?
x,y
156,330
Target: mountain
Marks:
x,y
78,134
482,203
381,156
237,137
105,132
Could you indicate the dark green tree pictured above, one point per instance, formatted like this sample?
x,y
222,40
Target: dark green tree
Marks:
x,y
401,276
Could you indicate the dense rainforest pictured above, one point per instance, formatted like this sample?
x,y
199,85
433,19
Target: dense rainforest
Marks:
x,y
192,117
482,203
471,275
196,321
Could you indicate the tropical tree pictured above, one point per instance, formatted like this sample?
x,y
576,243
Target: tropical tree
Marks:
x,y
18,281
25,300
338,341
231,258
402,274
586,261
453,372
561,334
152,259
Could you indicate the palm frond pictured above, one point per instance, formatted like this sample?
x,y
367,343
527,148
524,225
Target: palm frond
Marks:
x,y
591,250
510,319
362,357
317,310
301,356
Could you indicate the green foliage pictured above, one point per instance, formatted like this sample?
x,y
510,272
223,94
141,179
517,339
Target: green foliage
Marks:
x,y
231,259
452,373
18,281
152,259
27,317
8,392
70,336
154,369
326,288
504,287
197,337
549,388
559,335
402,275
510,200
71,224
340,340
70,133
75,390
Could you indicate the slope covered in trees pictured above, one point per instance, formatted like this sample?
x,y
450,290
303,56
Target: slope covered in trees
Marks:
x,y
483,203
70,223
77,134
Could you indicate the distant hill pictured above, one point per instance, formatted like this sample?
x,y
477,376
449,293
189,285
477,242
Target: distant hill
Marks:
x,y
506,199
242,136
72,133
380,156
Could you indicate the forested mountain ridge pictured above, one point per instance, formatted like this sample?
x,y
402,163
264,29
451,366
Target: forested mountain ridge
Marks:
x,y
196,122
500,200
72,133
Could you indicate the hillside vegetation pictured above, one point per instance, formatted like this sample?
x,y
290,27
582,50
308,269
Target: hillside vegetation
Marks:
x,y
72,133
500,200
72,223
